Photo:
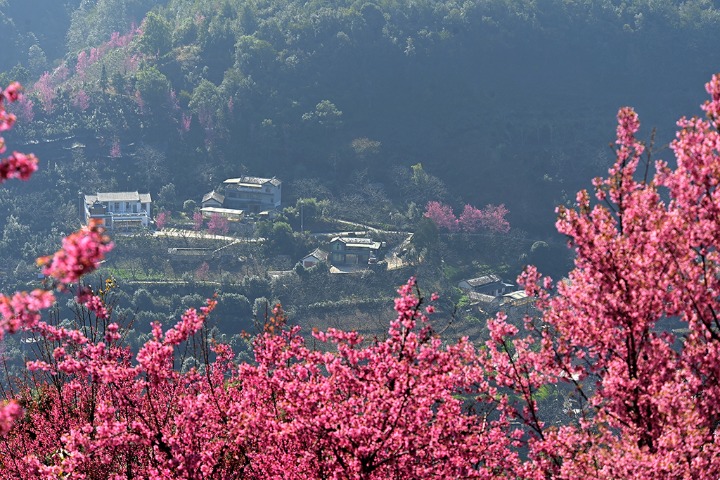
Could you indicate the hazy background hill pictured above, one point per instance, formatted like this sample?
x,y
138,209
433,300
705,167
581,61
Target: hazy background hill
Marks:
x,y
502,101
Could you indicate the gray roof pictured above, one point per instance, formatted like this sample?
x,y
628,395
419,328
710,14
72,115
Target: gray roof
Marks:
x,y
319,254
484,280
233,212
358,242
253,181
481,297
218,197
118,197
354,240
517,295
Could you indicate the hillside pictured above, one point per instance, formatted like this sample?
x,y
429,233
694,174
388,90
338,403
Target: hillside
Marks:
x,y
493,98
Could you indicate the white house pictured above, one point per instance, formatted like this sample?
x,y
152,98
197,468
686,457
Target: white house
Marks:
x,y
119,210
252,194
487,285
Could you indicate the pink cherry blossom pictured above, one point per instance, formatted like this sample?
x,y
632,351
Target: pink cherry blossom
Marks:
x,y
80,254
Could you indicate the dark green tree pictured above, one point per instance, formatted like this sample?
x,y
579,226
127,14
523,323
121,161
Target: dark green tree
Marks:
x,y
154,87
103,81
157,35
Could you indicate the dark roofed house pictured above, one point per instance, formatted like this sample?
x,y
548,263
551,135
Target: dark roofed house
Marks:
x,y
212,199
119,210
314,257
487,285
352,250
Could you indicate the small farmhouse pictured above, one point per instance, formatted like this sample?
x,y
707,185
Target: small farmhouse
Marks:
x,y
487,285
118,210
517,298
212,200
353,251
314,257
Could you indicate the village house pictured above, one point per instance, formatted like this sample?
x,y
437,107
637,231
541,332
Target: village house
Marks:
x,y
314,257
212,200
353,251
118,210
517,298
251,194
486,285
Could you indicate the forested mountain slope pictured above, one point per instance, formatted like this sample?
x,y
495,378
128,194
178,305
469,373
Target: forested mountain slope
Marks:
x,y
493,97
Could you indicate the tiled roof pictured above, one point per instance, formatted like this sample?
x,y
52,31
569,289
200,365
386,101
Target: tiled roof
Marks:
x,y
118,197
481,297
484,280
253,181
223,211
354,240
319,254
218,197
358,242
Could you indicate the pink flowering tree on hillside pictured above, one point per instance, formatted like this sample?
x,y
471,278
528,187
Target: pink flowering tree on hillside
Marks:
x,y
442,215
218,225
81,100
491,218
198,221
44,88
162,218
471,220
24,109
83,62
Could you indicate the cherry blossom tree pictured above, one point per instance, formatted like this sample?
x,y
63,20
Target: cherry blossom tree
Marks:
x,y
25,109
162,218
471,220
218,225
635,329
491,218
81,100
45,91
198,221
442,215
83,62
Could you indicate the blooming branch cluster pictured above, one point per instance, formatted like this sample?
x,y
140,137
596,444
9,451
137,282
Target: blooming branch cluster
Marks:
x,y
17,165
471,220
80,254
648,396
22,310
45,90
